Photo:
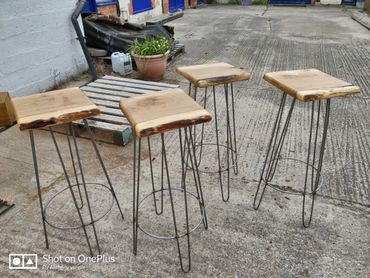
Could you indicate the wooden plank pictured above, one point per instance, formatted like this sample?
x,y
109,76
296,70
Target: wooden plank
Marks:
x,y
131,85
103,125
111,111
212,74
109,92
6,110
95,96
118,88
106,132
111,119
163,111
310,84
106,103
136,81
53,108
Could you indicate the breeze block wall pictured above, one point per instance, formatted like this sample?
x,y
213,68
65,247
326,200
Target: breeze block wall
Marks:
x,y
38,46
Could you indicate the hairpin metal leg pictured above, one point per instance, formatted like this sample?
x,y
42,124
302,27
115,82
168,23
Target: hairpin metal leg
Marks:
x,y
158,212
92,139
200,142
34,157
273,151
192,154
225,197
136,184
84,186
173,210
234,148
71,190
68,129
315,179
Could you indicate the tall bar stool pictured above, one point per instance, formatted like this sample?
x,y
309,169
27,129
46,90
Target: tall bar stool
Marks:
x,y
157,113
309,85
212,75
61,107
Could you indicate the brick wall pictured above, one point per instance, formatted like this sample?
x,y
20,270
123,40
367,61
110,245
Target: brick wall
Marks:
x,y
109,10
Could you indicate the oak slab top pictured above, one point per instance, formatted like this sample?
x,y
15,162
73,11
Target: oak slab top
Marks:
x,y
162,111
310,84
206,75
53,108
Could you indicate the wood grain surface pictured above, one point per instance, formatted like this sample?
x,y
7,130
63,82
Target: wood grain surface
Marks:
x,y
212,74
310,84
53,108
162,111
6,110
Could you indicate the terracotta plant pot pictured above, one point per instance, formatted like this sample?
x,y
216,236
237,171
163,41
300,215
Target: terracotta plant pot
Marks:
x,y
151,67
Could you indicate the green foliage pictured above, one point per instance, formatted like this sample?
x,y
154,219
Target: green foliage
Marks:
x,y
260,2
150,46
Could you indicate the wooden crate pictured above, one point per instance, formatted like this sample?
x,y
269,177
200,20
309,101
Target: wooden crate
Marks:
x,y
6,111
106,92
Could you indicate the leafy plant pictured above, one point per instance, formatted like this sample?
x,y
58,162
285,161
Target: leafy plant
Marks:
x,y
150,46
260,2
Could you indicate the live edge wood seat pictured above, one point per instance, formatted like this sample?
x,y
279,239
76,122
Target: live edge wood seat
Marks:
x,y
162,111
53,108
206,75
310,84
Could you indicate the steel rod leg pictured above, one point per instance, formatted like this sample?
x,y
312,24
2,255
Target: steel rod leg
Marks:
x,y
158,212
200,144
92,139
71,190
225,199
174,215
234,149
273,152
136,187
84,186
193,128
68,129
228,138
192,150
315,145
271,170
34,157
307,222
202,131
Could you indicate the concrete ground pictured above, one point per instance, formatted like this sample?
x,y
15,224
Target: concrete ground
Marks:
x,y
240,241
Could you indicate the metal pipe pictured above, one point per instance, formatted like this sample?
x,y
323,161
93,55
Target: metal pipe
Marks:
x,y
76,13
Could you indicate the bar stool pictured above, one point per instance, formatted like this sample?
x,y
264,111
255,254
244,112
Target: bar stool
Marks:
x,y
211,75
158,113
309,85
61,107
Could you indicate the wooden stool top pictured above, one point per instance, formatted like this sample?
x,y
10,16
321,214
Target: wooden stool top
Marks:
x,y
310,84
212,74
53,108
162,111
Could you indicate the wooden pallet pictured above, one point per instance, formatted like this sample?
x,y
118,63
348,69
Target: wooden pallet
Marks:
x,y
106,92
177,48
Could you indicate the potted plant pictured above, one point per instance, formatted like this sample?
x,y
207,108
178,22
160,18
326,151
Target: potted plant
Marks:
x,y
150,56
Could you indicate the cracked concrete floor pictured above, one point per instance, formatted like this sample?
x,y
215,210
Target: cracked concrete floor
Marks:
x,y
242,242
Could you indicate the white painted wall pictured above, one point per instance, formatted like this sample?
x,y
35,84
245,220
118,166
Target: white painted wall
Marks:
x,y
331,2
140,17
38,46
